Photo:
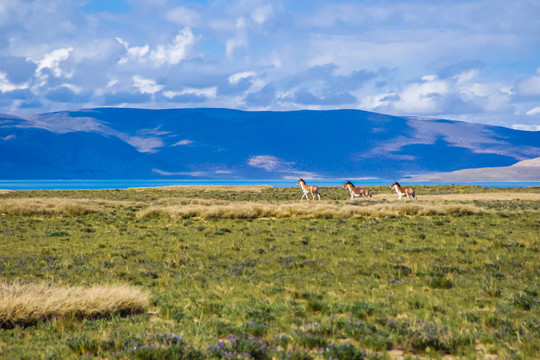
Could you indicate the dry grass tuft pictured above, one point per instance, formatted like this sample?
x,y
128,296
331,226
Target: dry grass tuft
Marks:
x,y
207,188
327,210
53,206
489,196
24,304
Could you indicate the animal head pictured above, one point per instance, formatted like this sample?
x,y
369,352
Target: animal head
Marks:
x,y
347,184
300,181
394,185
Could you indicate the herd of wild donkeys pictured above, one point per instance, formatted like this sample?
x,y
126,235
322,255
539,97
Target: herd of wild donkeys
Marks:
x,y
354,191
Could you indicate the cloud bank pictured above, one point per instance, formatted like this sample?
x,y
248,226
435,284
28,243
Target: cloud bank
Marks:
x,y
445,59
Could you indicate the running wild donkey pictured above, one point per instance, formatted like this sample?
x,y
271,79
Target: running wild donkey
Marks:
x,y
356,191
403,191
308,189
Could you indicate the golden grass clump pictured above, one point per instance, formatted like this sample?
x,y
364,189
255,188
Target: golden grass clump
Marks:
x,y
52,206
327,210
209,188
24,304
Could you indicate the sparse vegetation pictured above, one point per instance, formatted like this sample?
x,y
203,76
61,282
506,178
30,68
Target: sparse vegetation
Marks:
x,y
201,272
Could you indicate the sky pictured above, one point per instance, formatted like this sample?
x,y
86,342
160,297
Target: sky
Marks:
x,y
476,60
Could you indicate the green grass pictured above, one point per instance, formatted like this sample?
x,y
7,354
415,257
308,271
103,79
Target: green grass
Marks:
x,y
425,283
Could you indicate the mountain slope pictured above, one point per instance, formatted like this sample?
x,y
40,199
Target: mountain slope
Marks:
x,y
524,171
110,143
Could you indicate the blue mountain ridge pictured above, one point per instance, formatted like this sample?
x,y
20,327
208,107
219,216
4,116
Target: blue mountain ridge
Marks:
x,y
124,143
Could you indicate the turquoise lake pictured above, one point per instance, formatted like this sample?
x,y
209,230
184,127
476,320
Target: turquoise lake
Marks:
x,y
131,183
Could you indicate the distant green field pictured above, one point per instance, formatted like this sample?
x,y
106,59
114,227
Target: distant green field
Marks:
x,y
255,273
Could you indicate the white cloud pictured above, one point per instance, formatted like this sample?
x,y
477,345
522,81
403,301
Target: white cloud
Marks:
x,y
7,86
465,77
183,173
496,102
376,101
446,97
135,53
422,97
415,51
176,51
209,92
266,162
52,61
183,142
273,163
534,111
184,16
529,86
235,78
239,40
146,86
429,77
76,89
261,14
173,53
526,127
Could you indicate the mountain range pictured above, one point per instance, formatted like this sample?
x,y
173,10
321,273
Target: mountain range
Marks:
x,y
123,143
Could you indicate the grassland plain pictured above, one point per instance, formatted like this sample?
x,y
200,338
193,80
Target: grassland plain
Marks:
x,y
252,272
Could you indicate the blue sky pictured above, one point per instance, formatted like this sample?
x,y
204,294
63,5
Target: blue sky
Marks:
x,y
476,61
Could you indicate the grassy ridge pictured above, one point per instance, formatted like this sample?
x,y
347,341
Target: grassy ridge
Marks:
x,y
446,274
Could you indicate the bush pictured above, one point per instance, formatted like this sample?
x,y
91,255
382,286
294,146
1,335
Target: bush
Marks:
x,y
436,337
523,301
312,341
362,309
173,353
343,352
440,283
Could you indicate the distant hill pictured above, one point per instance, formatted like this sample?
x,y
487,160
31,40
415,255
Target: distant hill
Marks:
x,y
523,171
120,143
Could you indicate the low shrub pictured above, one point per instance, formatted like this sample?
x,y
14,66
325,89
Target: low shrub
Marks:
x,y
440,282
343,352
523,301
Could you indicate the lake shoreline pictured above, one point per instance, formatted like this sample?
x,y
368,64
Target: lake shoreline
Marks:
x,y
86,184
